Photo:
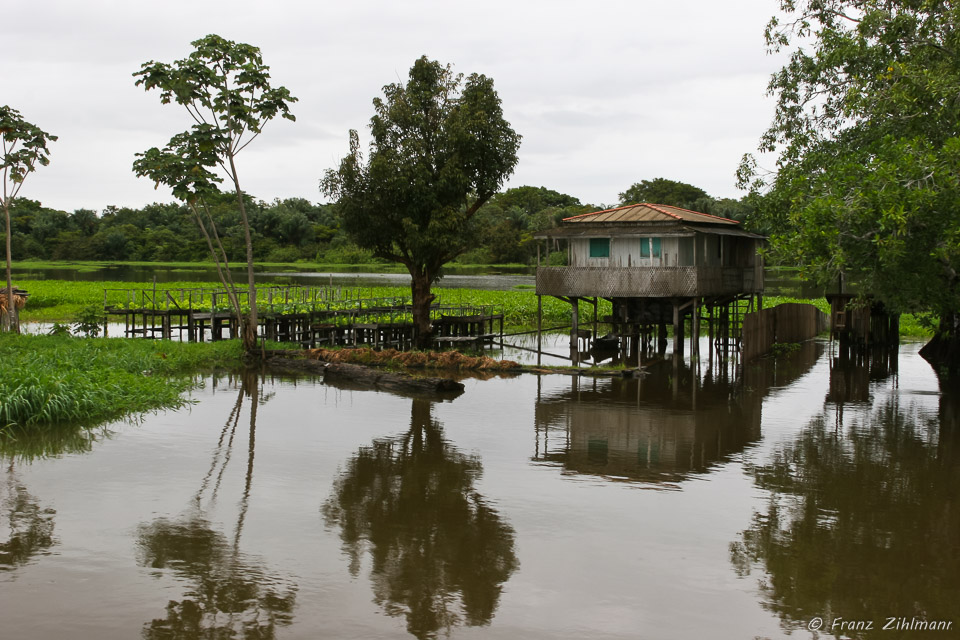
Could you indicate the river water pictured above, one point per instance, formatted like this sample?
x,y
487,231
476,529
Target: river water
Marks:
x,y
733,503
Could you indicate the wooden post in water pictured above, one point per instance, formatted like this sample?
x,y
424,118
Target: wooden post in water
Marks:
x,y
695,329
575,329
596,326
106,318
539,322
677,331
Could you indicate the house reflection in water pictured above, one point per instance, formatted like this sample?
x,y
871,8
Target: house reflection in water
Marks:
x,y
662,427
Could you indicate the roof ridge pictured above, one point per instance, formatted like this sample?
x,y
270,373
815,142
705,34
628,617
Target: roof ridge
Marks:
x,y
656,207
701,213
593,213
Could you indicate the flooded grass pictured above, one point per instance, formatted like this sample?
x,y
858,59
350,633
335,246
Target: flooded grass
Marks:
x,y
56,380
64,300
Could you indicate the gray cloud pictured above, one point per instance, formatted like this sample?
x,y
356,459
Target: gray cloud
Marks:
x,y
605,94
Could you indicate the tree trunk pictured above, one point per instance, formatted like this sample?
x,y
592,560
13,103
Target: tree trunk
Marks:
x,y
422,299
219,255
248,333
10,319
943,350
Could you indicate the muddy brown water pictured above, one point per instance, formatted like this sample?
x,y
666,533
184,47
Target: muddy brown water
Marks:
x,y
717,504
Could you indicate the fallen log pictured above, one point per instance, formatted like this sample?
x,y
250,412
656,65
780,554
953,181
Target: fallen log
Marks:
x,y
358,377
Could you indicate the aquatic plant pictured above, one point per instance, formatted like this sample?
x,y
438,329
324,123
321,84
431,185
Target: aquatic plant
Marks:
x,y
56,379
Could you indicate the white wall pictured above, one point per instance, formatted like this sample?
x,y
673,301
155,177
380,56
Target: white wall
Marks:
x,y
624,252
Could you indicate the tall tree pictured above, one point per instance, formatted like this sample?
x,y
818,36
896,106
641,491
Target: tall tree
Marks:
x,y
663,191
441,148
867,138
184,166
24,147
225,87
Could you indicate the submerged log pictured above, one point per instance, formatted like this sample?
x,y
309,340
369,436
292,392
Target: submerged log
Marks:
x,y
354,376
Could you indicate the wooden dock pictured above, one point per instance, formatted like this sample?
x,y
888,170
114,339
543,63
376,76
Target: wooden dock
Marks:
x,y
305,315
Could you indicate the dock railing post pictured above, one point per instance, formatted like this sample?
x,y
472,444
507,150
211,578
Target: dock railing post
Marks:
x,y
539,329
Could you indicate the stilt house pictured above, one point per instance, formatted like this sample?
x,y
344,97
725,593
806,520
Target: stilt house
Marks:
x,y
657,264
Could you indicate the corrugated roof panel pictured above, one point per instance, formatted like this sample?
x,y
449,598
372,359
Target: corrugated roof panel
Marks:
x,y
647,212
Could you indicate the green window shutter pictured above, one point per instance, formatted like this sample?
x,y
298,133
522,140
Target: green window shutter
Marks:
x,y
656,247
599,247
644,247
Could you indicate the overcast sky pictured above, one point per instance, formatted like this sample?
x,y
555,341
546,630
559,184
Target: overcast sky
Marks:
x,y
604,93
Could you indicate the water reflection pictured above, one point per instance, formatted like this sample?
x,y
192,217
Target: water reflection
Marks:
x,y
863,516
28,523
231,594
439,552
664,426
37,442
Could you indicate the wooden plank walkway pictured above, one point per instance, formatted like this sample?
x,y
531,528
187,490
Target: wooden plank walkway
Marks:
x,y
308,316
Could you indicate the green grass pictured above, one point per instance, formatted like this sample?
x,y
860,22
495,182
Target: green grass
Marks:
x,y
300,265
911,326
62,301
58,380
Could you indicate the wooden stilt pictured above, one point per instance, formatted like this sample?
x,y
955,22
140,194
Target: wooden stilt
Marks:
x,y
539,323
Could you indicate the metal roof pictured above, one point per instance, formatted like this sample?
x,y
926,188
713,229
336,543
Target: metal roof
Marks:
x,y
647,212
618,230
659,229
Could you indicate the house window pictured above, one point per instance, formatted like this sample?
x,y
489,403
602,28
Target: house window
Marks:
x,y
599,247
645,247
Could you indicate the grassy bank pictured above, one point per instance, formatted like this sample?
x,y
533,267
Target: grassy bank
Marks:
x,y
55,380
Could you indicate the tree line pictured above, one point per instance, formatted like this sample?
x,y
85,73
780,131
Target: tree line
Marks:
x,y
297,230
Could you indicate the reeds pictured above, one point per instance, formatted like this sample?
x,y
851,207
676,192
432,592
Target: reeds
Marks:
x,y
57,380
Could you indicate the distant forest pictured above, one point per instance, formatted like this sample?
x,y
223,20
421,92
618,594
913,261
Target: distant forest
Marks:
x,y
296,229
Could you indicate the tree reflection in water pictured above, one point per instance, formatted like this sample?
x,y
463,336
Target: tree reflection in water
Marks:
x,y
432,538
31,525
231,595
863,520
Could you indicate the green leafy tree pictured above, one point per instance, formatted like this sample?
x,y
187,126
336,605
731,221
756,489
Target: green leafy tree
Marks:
x,y
225,87
441,148
534,199
185,165
663,191
24,147
867,138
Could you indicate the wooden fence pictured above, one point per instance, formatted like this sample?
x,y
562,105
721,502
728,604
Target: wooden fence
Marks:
x,y
788,322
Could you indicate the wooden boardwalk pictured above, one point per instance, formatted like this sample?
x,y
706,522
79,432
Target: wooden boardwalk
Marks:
x,y
305,315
